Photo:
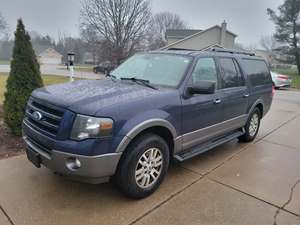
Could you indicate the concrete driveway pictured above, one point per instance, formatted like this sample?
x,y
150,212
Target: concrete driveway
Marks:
x,y
244,184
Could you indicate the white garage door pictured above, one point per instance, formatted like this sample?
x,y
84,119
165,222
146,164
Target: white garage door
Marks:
x,y
52,61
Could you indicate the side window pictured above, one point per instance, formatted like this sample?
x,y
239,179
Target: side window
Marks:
x,y
205,70
231,75
238,69
257,71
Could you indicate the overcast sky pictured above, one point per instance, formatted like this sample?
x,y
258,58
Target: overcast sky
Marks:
x,y
246,18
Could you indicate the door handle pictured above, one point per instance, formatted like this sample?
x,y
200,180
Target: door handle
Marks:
x,y
246,95
217,101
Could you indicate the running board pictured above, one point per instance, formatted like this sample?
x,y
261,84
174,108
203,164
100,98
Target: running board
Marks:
x,y
188,154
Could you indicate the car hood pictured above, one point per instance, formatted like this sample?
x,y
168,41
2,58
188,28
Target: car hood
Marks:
x,y
87,96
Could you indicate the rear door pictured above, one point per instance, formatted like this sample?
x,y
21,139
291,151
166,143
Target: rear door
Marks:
x,y
260,81
235,93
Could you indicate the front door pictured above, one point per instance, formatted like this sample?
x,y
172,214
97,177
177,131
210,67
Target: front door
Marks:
x,y
201,112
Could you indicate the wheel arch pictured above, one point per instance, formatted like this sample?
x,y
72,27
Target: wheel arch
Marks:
x,y
261,108
258,104
160,127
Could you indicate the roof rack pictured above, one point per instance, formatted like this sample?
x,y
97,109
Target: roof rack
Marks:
x,y
232,51
182,49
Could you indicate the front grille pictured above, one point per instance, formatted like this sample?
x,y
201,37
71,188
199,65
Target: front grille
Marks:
x,y
35,145
49,120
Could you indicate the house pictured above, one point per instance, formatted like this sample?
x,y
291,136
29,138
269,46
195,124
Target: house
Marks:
x,y
216,36
90,58
283,54
50,56
278,56
266,55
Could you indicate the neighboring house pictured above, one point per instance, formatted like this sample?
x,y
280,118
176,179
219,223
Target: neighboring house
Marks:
x,y
276,57
266,55
281,55
174,35
200,39
50,56
90,58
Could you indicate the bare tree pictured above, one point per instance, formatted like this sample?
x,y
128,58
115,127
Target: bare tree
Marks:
x,y
67,44
239,46
92,41
3,27
121,23
167,20
159,25
251,47
268,43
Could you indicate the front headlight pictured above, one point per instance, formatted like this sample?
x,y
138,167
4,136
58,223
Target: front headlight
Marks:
x,y
85,127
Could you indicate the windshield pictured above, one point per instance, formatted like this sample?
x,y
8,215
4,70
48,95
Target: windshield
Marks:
x,y
161,69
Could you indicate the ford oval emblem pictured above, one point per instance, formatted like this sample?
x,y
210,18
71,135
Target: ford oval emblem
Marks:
x,y
37,115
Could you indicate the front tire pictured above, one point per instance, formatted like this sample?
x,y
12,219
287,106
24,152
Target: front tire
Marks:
x,y
252,126
143,166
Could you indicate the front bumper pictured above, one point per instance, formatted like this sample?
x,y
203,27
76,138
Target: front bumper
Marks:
x,y
93,169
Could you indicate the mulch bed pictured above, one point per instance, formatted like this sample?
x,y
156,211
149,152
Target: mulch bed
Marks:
x,y
10,145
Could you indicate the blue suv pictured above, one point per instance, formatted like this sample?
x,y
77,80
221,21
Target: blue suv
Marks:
x,y
154,107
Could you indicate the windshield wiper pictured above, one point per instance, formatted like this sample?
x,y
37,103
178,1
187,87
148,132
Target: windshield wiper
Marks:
x,y
140,81
110,75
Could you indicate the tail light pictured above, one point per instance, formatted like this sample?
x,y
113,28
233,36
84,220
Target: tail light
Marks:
x,y
273,90
283,77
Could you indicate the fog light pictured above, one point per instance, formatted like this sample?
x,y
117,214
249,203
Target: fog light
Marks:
x,y
73,164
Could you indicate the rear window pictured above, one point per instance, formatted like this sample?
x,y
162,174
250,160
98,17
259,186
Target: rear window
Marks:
x,y
257,71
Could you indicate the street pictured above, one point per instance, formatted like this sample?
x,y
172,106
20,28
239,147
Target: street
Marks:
x,y
58,71
244,184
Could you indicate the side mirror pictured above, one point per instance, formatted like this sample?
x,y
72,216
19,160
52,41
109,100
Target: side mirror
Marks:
x,y
203,87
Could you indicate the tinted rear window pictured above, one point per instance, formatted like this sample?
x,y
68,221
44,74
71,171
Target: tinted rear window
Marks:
x,y
230,74
257,71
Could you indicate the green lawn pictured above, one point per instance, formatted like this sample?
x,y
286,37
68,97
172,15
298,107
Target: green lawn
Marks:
x,y
4,62
48,79
82,68
293,73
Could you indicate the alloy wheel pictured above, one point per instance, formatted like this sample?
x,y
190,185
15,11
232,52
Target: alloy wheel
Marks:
x,y
149,168
254,122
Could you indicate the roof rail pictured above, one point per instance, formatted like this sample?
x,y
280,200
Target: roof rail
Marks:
x,y
182,49
232,51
